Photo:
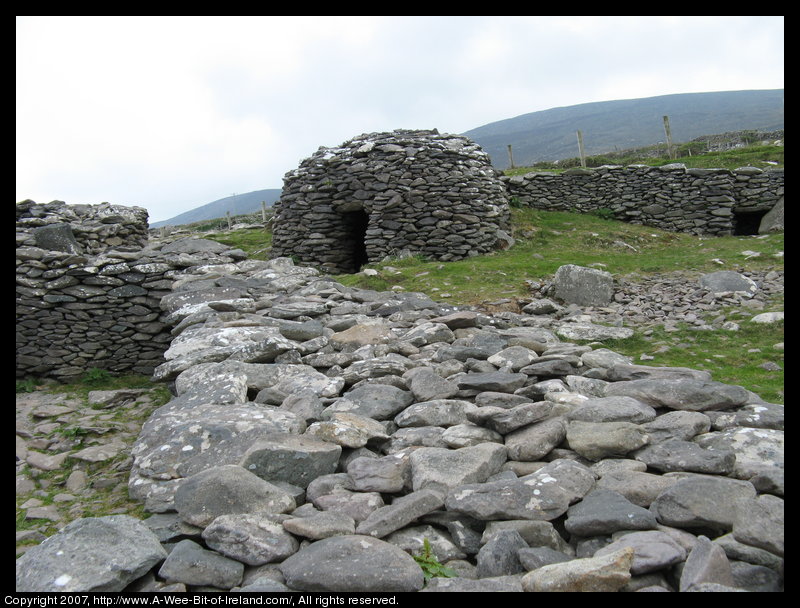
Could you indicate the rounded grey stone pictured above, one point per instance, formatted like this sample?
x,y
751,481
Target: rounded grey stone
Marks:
x,y
352,563
85,556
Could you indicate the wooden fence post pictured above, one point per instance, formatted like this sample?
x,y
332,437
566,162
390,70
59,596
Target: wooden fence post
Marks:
x,y
581,151
670,149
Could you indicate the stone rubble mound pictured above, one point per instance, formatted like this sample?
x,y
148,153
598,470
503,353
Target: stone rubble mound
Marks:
x,y
319,435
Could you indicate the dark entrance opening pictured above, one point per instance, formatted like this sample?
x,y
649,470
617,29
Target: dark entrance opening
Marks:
x,y
356,223
747,222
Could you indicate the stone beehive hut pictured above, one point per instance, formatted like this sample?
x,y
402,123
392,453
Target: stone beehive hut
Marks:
x,y
383,194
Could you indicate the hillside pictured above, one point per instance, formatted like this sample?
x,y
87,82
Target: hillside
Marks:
x,y
629,123
239,204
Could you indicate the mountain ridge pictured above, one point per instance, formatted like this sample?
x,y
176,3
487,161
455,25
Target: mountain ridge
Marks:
x,y
626,123
237,204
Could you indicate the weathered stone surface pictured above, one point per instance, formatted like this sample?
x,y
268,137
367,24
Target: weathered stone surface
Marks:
x,y
727,280
352,563
56,237
653,550
295,459
227,490
604,511
427,385
502,584
376,401
583,286
347,430
411,539
592,331
499,556
536,497
640,487
682,425
442,469
357,505
440,412
759,522
598,440
389,474
251,539
385,520
706,563
190,564
466,435
376,332
321,525
773,221
757,451
85,556
677,455
502,382
535,533
535,441
613,409
505,420
681,394
175,441
701,501
605,573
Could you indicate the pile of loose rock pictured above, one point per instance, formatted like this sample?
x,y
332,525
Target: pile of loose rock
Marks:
x,y
668,299
320,434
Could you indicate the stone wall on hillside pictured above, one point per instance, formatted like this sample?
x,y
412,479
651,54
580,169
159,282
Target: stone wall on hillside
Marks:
x,y
383,194
77,310
698,201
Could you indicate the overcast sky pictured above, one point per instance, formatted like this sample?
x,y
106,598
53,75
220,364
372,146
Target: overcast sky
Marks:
x,y
170,113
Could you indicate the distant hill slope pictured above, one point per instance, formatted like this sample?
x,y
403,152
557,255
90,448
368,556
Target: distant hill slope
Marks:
x,y
629,123
240,204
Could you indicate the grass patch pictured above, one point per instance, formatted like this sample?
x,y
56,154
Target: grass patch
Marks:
x,y
255,242
100,380
731,357
547,240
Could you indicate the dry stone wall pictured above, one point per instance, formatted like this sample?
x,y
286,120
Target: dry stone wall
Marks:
x,y
672,197
88,291
382,194
95,228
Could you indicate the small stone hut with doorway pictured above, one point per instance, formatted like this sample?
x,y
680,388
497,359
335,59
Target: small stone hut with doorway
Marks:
x,y
390,194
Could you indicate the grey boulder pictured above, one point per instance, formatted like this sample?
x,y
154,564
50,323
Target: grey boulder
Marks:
x,y
352,563
86,556
227,490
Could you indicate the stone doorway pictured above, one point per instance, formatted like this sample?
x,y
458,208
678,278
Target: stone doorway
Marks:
x,y
355,225
745,223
